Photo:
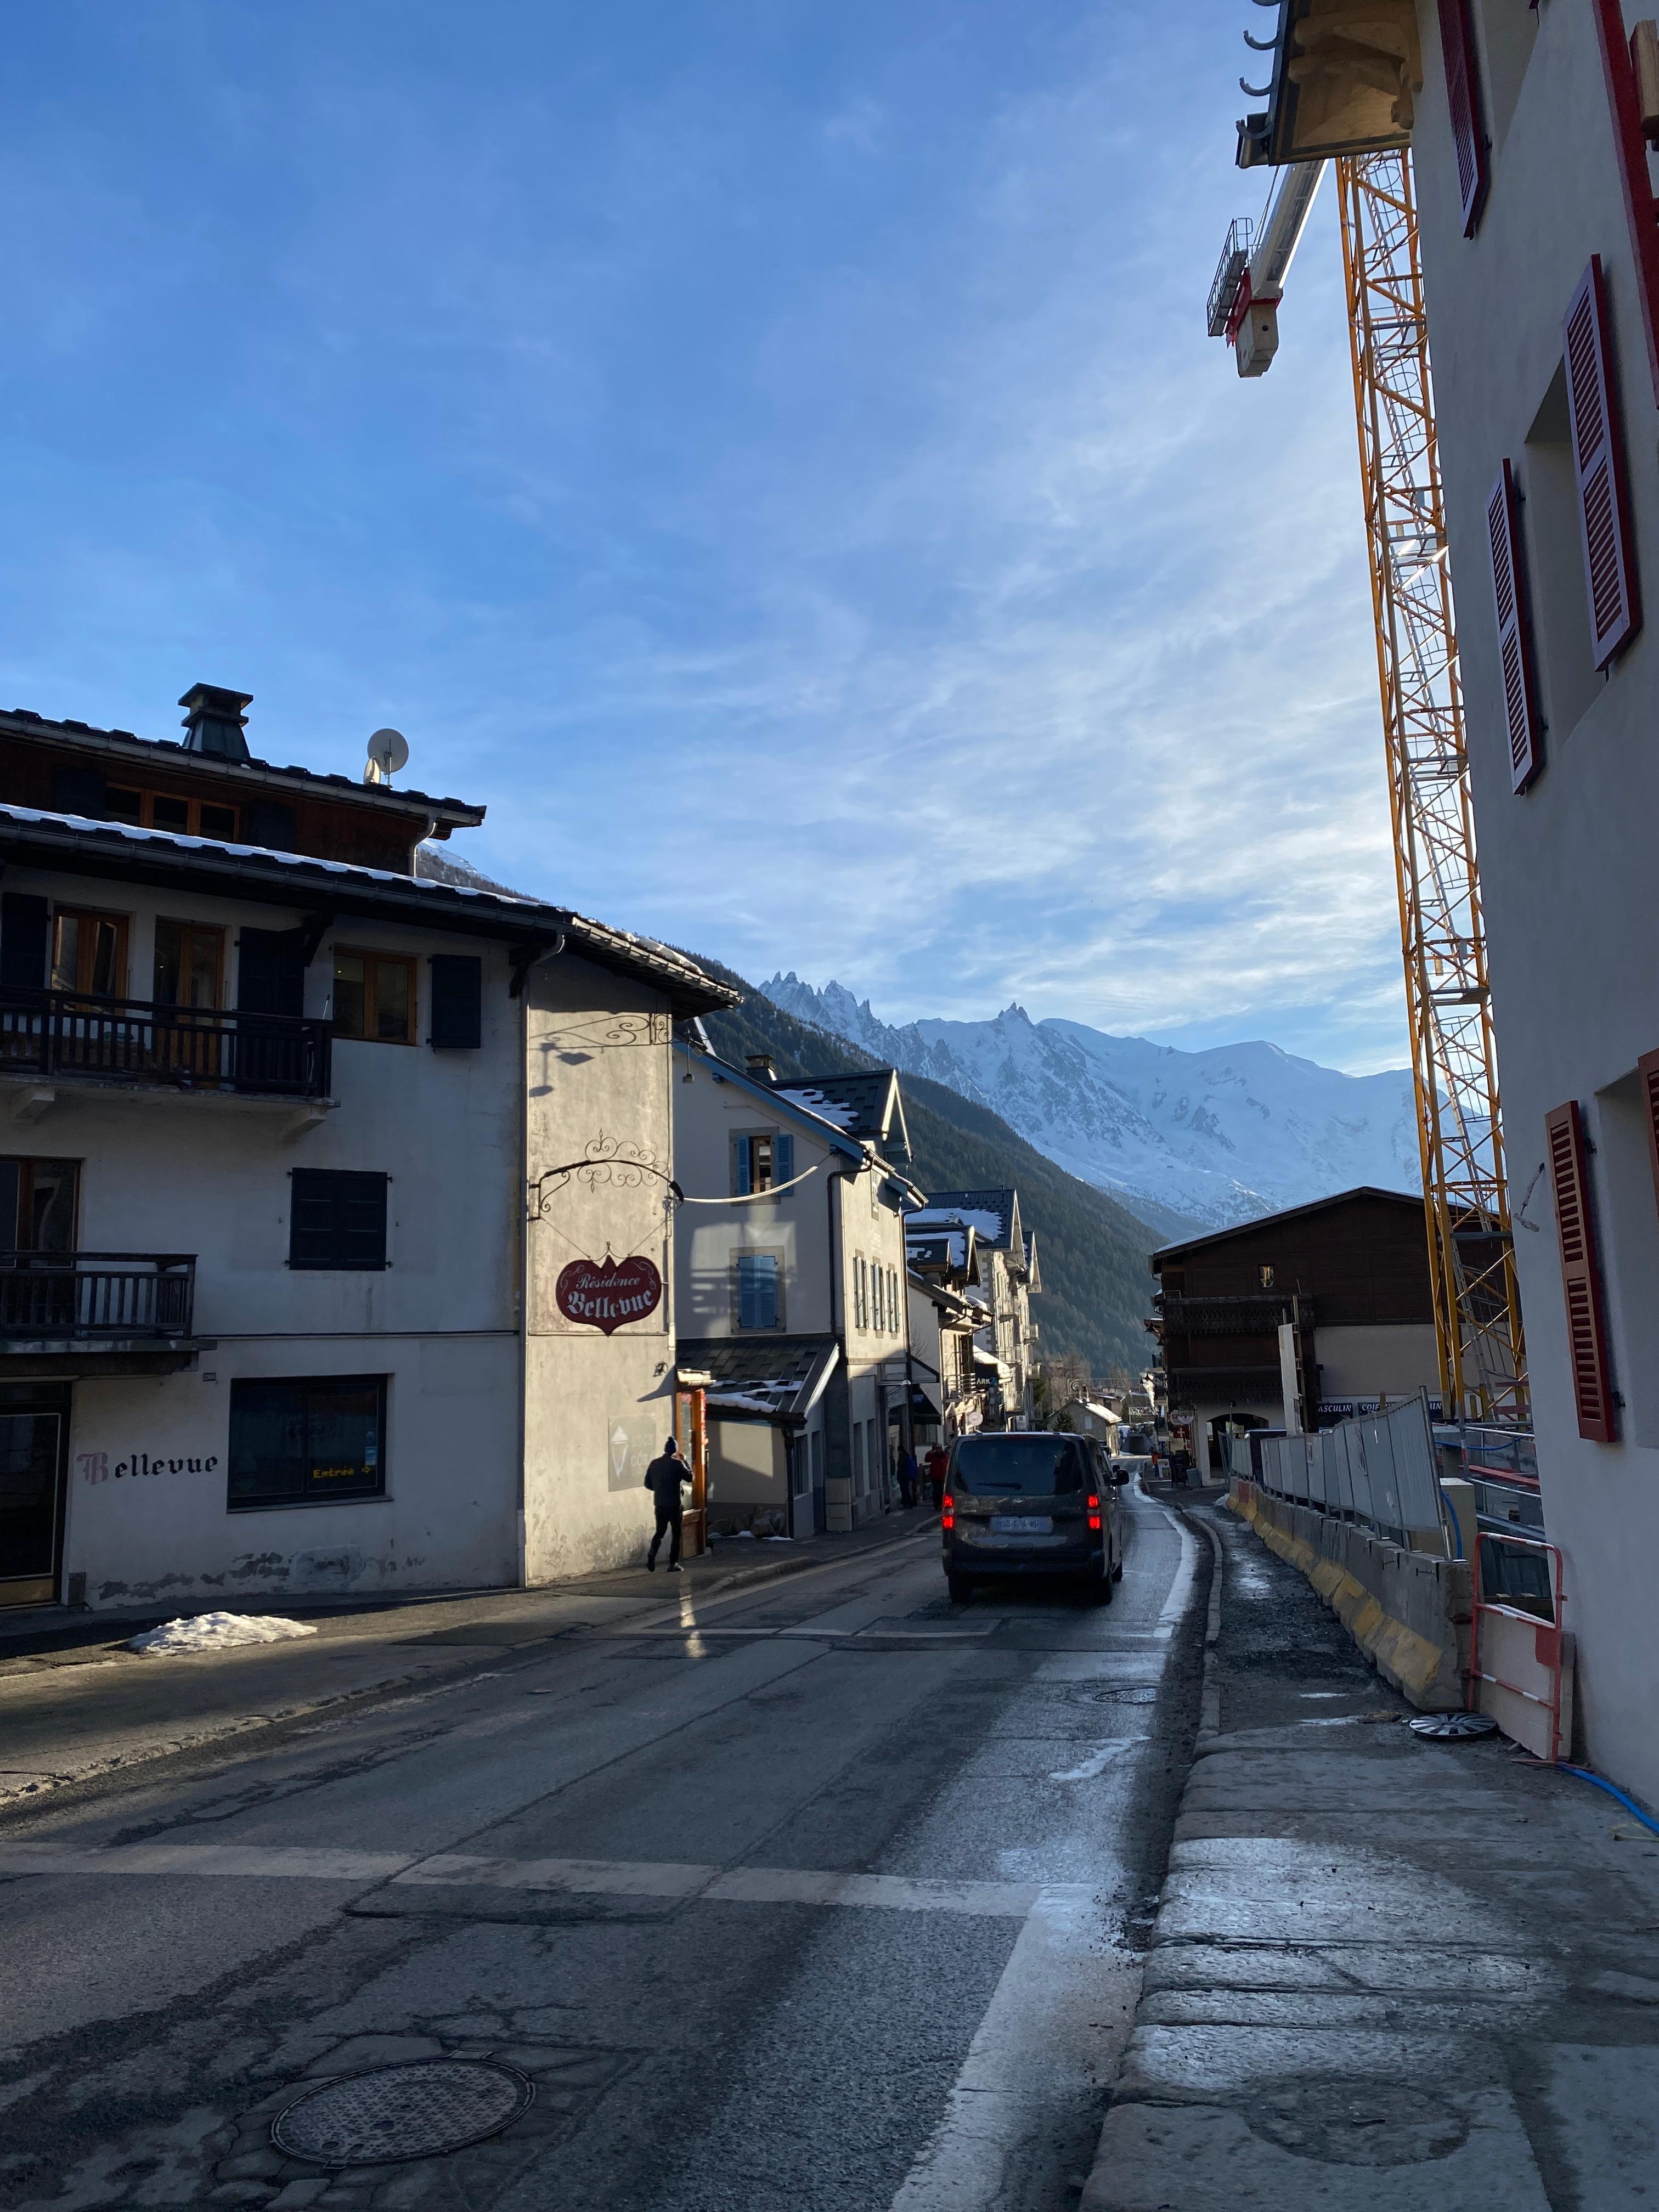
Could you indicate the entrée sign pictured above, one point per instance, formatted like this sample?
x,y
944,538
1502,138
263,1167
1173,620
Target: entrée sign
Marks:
x,y
607,1294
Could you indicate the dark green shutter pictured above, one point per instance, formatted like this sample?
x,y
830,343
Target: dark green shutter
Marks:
x,y
78,789
25,926
271,824
270,972
457,1002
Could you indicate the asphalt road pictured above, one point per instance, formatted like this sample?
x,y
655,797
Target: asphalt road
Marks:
x,y
830,1895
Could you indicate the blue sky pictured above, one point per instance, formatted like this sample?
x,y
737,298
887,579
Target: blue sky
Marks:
x,y
768,452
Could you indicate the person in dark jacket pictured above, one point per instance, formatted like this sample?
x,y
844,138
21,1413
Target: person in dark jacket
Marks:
x,y
938,1461
665,1478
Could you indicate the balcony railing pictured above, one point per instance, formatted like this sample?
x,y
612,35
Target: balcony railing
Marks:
x,y
70,1033
92,1295
1254,1314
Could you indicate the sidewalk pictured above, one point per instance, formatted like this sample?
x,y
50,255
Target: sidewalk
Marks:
x,y
75,1703
1381,1966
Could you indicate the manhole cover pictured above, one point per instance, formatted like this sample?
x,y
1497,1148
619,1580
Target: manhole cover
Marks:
x,y
1138,1693
1452,1728
1342,2122
416,2111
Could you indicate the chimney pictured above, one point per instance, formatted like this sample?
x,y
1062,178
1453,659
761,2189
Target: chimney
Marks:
x,y
215,722
760,1067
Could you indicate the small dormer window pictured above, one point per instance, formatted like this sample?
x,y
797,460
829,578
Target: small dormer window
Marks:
x,y
1265,1277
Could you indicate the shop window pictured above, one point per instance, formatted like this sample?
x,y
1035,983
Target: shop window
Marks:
x,y
89,951
374,996
336,1220
304,1441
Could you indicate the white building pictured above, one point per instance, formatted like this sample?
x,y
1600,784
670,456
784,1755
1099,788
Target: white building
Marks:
x,y
1005,1274
1541,269
791,1282
291,1299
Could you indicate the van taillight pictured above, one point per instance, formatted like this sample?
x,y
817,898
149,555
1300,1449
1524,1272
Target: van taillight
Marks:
x,y
1094,1511
947,1513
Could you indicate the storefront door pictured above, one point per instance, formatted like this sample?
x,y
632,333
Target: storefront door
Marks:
x,y
33,1435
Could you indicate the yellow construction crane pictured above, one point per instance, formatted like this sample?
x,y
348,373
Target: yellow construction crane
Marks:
x,y
1477,1309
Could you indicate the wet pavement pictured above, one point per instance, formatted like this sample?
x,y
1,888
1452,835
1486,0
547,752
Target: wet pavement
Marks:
x,y
822,1891
1381,1966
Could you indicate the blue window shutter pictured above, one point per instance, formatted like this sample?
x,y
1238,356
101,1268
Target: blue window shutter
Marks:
x,y
783,1154
766,1291
743,1170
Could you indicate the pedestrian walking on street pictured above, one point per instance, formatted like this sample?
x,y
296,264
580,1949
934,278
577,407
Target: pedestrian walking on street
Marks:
x,y
938,1459
907,1475
665,1478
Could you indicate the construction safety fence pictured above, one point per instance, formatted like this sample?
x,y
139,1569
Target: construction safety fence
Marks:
x,y
1380,1471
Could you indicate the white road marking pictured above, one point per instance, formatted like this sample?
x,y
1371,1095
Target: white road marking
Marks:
x,y
1050,2036
1097,1761
1002,1900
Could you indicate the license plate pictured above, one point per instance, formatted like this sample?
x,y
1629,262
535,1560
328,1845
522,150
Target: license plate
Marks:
x,y
1021,1524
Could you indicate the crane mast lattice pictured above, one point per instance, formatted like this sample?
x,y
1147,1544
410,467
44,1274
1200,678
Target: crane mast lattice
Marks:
x,y
1454,1058
1477,1311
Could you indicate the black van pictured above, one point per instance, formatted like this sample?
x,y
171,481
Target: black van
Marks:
x,y
1031,1502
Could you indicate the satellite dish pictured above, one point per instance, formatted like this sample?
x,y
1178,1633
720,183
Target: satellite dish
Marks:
x,y
388,752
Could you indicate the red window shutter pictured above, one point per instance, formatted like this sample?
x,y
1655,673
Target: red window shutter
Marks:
x,y
1575,1225
1647,1074
1464,99
1598,453
1508,584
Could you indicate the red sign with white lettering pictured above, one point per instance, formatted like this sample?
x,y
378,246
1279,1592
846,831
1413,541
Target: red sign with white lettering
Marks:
x,y
608,1294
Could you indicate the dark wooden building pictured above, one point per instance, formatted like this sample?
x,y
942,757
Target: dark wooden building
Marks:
x,y
1348,1274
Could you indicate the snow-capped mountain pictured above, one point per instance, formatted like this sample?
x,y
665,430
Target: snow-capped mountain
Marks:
x,y
1186,1139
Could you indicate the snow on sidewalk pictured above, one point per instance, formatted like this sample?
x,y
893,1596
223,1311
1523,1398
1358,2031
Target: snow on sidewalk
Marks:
x,y
217,1631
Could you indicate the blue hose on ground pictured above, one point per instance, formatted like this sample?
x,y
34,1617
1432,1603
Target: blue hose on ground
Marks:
x,y
1584,1775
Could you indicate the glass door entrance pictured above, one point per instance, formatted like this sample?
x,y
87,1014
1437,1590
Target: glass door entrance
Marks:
x,y
32,1472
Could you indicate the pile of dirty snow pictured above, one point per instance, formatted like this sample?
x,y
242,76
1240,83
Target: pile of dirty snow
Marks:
x,y
218,1631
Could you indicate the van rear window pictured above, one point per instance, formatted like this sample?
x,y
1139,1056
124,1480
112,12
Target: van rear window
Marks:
x,y
1018,1467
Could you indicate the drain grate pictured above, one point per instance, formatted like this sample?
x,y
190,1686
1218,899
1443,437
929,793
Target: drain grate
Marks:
x,y
419,2110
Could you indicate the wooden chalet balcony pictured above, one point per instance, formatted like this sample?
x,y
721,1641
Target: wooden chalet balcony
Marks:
x,y
1257,1314
80,1299
53,1034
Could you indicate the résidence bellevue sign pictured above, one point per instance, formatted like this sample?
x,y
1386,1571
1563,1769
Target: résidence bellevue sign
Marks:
x,y
607,1294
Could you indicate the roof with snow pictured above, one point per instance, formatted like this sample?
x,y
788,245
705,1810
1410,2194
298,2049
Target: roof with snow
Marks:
x,y
79,845
775,1377
993,1215
866,1105
125,751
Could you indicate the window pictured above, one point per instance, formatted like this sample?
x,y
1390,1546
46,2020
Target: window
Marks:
x,y
752,1165
1264,1277
877,1300
892,1300
860,1293
159,810
757,1283
89,951
189,965
303,1442
37,1205
1550,526
336,1220
374,997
